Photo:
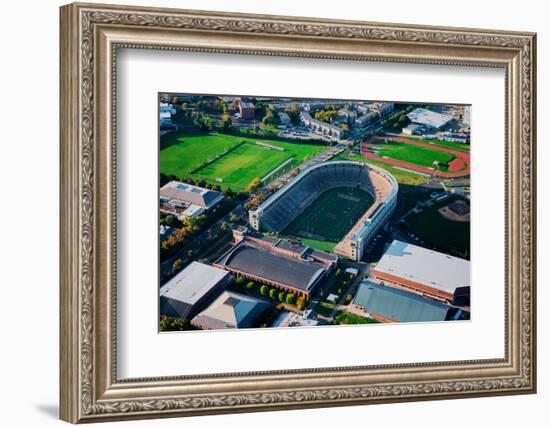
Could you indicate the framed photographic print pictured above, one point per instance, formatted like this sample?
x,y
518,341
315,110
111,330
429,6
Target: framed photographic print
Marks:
x,y
266,212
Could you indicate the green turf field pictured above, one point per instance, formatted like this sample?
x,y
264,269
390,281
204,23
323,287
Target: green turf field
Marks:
x,y
402,177
411,153
433,228
330,216
242,165
181,155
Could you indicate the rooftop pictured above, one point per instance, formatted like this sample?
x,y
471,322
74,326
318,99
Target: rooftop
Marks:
x,y
428,118
231,310
191,194
424,266
261,262
400,306
193,282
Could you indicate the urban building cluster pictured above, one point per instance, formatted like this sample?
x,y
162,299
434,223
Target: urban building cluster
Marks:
x,y
337,230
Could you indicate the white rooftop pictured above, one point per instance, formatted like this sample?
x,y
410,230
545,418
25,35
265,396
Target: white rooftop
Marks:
x,y
193,282
428,118
424,266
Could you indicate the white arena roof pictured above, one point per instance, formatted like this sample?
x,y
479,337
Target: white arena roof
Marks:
x,y
424,266
428,118
193,282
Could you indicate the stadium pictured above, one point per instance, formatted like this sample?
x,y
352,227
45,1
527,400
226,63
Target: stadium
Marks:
x,y
365,197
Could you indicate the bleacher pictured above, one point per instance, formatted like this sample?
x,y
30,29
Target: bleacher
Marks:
x,y
300,193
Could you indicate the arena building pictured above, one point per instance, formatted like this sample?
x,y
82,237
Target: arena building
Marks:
x,y
280,263
277,212
191,289
424,272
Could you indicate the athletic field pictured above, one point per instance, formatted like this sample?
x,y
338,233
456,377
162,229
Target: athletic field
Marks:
x,y
327,220
435,229
234,164
411,153
427,158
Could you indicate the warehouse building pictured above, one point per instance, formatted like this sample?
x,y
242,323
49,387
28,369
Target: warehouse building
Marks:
x,y
429,118
424,272
389,305
192,289
231,311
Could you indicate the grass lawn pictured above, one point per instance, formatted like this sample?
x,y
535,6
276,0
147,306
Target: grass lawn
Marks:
x,y
324,309
433,228
411,153
331,215
181,154
352,319
402,177
318,244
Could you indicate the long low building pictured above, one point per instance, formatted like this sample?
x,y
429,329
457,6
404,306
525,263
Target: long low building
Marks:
x,y
389,305
424,271
191,289
285,265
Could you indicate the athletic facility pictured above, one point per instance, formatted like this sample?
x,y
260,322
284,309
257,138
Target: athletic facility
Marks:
x,y
415,155
339,201
424,272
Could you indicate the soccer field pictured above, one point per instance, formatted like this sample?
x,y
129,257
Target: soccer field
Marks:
x,y
330,216
183,156
242,165
411,153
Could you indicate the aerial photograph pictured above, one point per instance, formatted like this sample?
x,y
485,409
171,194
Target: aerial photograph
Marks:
x,y
291,212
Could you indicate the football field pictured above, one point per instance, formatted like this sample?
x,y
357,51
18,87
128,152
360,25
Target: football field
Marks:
x,y
330,216
228,160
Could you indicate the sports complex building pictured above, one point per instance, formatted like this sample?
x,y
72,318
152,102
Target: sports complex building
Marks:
x,y
295,197
192,289
424,272
280,263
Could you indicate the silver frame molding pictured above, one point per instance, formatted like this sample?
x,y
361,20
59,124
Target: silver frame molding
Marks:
x,y
90,37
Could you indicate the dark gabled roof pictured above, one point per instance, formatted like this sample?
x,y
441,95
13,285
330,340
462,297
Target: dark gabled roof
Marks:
x,y
261,262
398,305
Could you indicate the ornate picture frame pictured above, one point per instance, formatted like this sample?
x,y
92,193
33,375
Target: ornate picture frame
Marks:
x,y
90,37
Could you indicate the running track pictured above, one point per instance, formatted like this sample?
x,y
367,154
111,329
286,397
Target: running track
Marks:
x,y
459,154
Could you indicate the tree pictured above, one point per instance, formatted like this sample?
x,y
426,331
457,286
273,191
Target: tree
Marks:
x,y
300,303
177,265
233,218
273,293
172,324
282,296
224,227
253,186
250,285
264,290
291,299
349,298
239,280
